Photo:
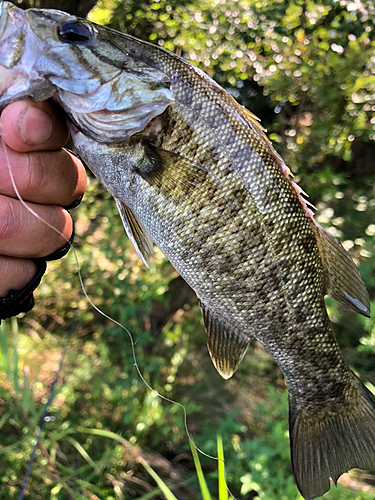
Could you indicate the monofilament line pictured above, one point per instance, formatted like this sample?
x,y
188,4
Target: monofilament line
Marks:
x,y
43,422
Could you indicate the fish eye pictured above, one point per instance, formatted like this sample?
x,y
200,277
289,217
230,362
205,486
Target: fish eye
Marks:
x,y
74,31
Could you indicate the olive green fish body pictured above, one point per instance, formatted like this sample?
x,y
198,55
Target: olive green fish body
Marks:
x,y
241,238
193,171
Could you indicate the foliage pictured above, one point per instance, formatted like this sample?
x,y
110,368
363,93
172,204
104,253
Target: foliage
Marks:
x,y
307,68
312,60
76,7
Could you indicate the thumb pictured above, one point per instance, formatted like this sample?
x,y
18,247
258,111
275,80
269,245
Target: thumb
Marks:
x,y
29,126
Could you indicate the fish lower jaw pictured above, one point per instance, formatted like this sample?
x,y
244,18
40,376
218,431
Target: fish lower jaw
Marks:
x,y
17,84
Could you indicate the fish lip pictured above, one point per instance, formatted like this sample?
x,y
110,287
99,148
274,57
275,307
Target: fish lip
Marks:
x,y
4,11
12,34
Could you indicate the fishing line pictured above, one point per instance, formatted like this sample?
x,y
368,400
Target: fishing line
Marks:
x,y
132,343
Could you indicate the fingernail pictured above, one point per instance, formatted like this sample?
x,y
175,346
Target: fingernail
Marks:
x,y
34,126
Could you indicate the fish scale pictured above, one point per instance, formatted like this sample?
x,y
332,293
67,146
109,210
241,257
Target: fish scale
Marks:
x,y
194,172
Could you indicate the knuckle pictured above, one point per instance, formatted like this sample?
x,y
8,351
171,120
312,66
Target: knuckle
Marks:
x,y
7,217
10,224
37,178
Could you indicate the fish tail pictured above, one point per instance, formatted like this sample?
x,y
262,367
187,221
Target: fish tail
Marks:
x,y
327,444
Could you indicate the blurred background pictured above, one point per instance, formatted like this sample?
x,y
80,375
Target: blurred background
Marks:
x,y
307,69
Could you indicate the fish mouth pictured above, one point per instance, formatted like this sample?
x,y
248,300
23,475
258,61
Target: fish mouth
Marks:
x,y
4,6
19,49
12,44
12,34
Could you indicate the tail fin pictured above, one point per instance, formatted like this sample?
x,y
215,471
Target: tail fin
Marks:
x,y
330,444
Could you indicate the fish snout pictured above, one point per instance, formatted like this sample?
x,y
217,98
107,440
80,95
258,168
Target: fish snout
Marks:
x,y
12,34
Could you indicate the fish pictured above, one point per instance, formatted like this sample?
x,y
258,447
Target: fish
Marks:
x,y
193,171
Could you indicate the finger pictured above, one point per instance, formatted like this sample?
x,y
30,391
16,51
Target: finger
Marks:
x,y
23,235
47,177
33,126
15,274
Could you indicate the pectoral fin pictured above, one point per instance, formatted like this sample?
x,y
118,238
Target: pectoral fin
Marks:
x,y
343,281
171,173
136,233
226,345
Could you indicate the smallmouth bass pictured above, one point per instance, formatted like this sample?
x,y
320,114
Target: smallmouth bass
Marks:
x,y
193,171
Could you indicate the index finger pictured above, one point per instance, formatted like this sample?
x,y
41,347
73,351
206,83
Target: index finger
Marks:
x,y
45,177
33,126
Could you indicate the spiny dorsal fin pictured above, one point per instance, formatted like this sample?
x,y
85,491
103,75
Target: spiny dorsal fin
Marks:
x,y
253,119
343,281
136,233
225,344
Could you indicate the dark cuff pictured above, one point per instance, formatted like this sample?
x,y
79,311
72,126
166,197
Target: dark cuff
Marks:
x,y
75,203
17,301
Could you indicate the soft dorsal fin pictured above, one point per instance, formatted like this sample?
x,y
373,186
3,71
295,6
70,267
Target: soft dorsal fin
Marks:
x,y
343,281
226,345
136,233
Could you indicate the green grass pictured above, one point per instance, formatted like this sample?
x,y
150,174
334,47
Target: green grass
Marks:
x,y
89,450
105,425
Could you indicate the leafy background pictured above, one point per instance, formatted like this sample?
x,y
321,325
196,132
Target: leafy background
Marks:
x,y
307,69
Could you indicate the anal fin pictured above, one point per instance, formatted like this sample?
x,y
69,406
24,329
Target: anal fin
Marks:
x,y
226,345
136,233
343,280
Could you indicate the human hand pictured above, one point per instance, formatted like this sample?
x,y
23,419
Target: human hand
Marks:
x,y
48,178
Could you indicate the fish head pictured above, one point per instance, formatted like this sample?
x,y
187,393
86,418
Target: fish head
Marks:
x,y
108,94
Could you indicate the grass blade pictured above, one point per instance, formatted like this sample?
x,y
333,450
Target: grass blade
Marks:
x,y
164,488
4,349
150,495
104,433
26,399
83,453
14,324
223,490
5,418
202,481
